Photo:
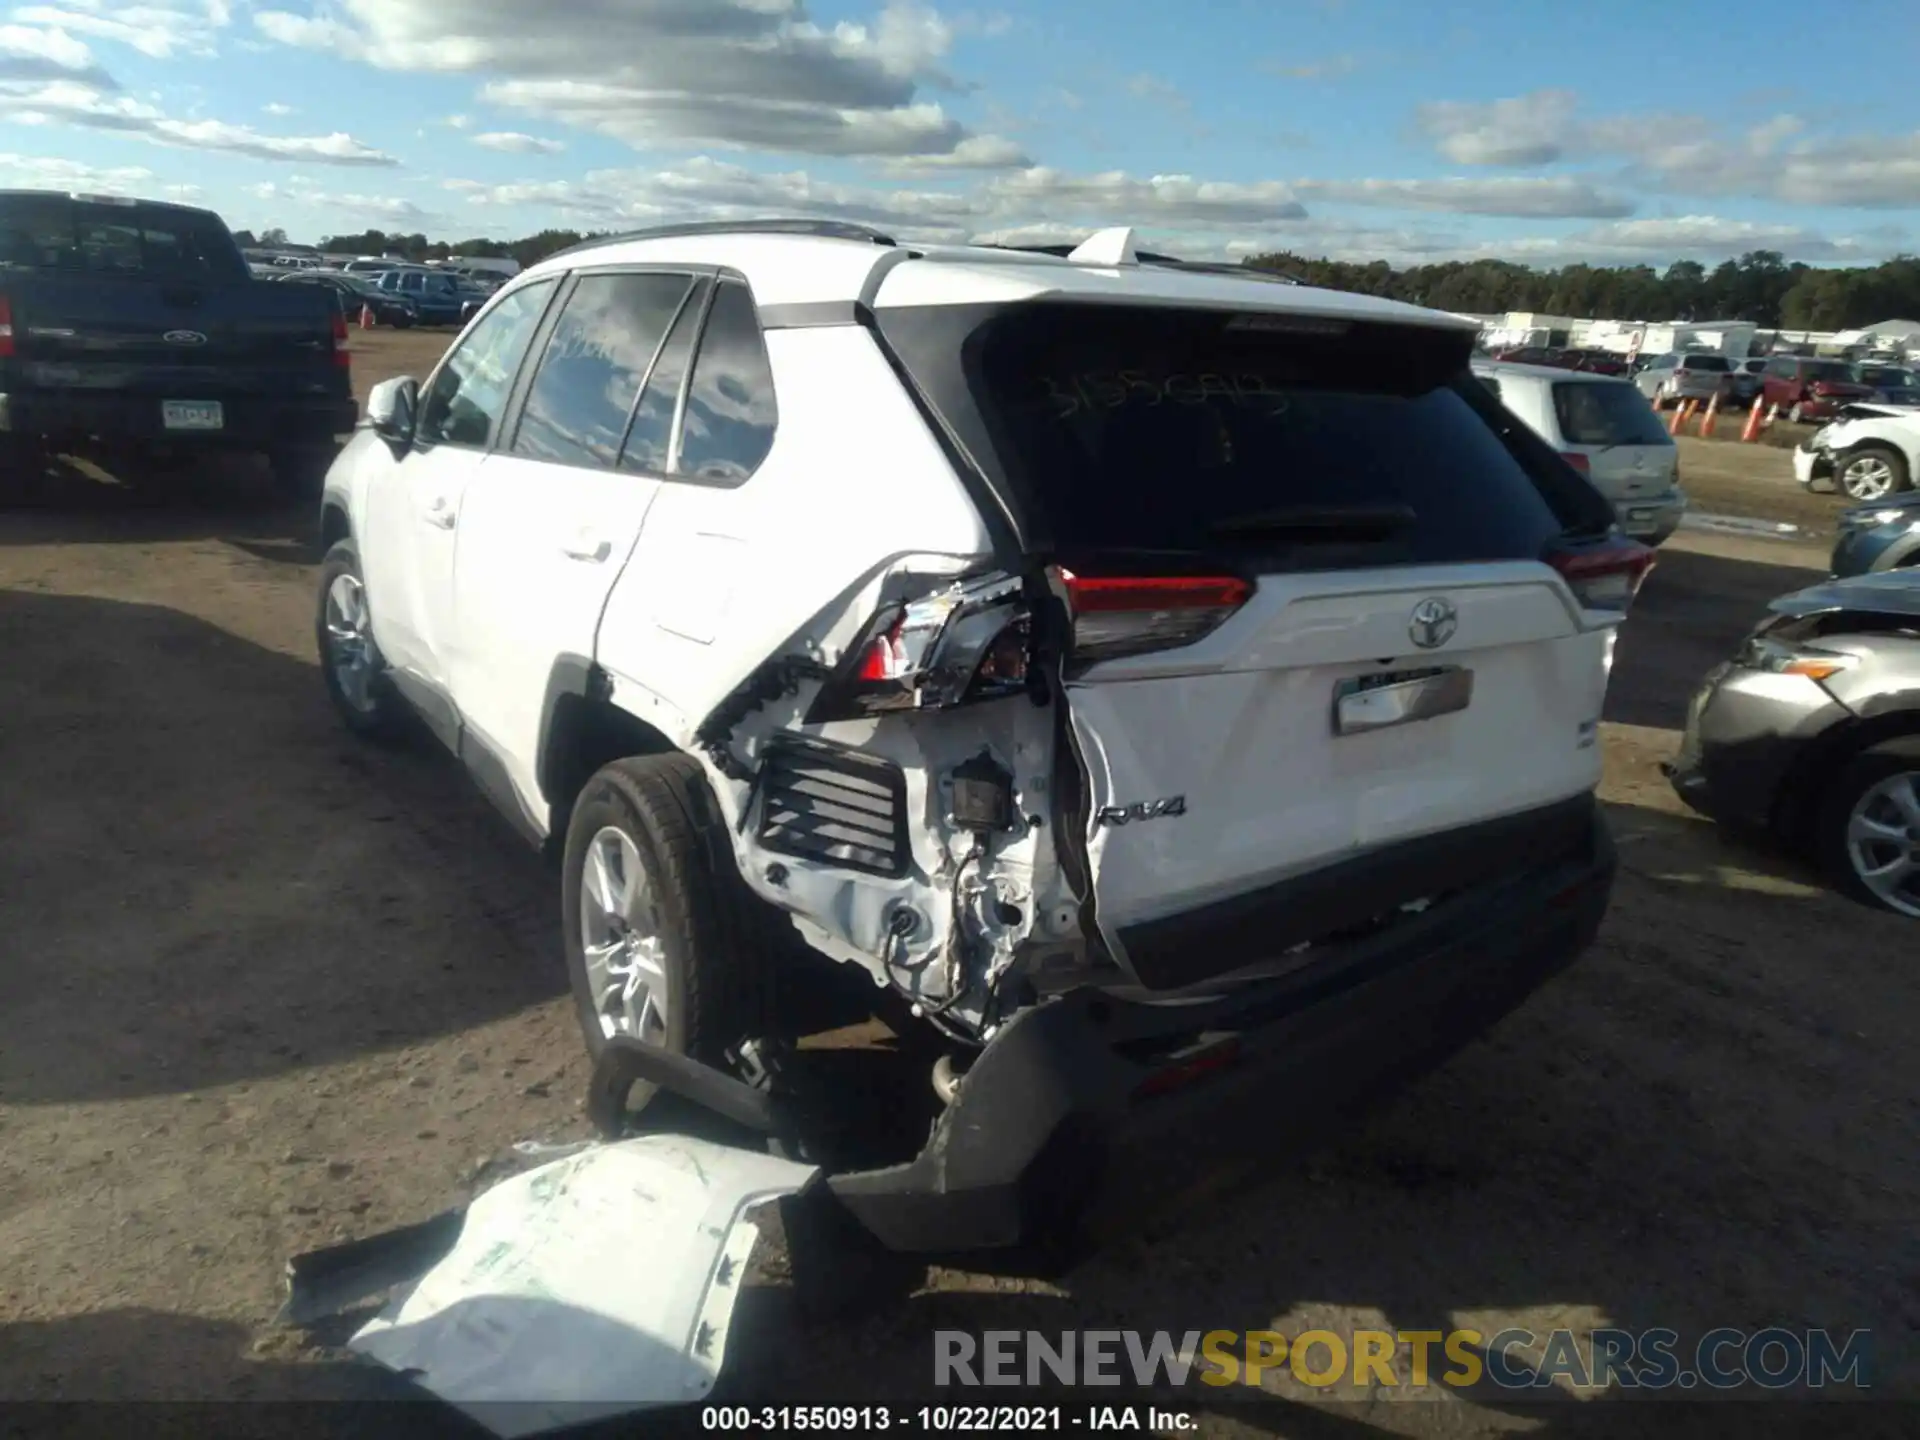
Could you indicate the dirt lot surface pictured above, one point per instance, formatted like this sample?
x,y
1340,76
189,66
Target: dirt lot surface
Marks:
x,y
264,987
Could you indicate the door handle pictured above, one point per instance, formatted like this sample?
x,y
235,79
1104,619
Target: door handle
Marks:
x,y
589,548
440,514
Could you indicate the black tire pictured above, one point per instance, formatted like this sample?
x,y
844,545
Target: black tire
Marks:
x,y
300,471
1869,768
383,716
713,930
1895,462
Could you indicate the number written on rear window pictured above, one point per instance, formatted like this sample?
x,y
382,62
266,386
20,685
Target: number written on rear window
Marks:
x,y
595,361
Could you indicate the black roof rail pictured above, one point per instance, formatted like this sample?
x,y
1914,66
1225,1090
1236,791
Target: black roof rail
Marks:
x,y
1148,257
820,229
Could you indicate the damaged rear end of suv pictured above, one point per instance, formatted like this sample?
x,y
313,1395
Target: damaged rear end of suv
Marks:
x,y
1169,689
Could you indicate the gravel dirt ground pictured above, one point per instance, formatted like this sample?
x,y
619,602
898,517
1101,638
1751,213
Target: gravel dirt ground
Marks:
x,y
264,987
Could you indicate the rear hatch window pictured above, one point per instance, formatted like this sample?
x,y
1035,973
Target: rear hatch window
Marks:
x,y
54,233
1591,414
1134,429
1715,363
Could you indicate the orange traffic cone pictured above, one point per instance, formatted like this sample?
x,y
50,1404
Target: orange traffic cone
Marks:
x,y
1709,416
366,317
1773,414
1682,413
1750,431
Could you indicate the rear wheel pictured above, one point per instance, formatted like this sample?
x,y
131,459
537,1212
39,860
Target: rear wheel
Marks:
x,y
664,941
1869,831
1872,472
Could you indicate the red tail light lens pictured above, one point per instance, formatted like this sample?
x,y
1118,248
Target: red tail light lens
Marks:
x,y
1132,615
6,328
1577,461
966,641
1606,576
341,355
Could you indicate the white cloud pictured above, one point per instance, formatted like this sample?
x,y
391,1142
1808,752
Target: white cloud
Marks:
x,y
90,106
1530,129
31,56
459,122
512,142
47,172
1524,197
277,109
297,191
160,29
741,74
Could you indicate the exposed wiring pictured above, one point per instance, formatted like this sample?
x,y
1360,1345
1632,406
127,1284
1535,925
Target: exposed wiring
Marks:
x,y
956,961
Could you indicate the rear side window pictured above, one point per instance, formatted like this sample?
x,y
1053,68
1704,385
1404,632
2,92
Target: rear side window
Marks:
x,y
598,355
649,445
56,233
728,427
1716,363
1135,429
1591,414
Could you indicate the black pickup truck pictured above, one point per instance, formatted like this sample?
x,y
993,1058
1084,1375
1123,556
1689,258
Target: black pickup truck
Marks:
x,y
136,327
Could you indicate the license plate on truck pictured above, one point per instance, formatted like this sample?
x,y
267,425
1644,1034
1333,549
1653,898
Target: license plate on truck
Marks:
x,y
192,415
1640,517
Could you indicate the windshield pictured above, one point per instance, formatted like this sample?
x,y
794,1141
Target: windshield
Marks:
x,y
1828,370
1591,414
57,233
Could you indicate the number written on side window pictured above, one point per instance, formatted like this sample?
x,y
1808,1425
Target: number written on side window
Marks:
x,y
463,402
576,412
728,427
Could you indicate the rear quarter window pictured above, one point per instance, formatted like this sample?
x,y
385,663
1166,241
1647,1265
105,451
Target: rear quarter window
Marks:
x,y
1142,430
59,234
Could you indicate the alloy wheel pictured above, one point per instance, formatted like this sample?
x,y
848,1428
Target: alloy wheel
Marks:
x,y
1883,841
624,957
351,655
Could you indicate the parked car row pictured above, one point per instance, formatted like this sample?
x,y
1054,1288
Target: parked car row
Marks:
x,y
1595,362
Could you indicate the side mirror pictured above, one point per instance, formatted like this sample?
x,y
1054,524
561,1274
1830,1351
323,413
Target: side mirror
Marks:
x,y
392,406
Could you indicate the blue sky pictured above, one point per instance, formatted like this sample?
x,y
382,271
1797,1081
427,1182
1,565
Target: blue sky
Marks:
x,y
1365,129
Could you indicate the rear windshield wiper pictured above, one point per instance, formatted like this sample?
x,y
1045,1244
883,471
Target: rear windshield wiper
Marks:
x,y
1330,523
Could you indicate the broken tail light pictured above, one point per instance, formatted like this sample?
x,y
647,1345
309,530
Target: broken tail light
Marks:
x,y
1605,576
342,356
967,641
973,640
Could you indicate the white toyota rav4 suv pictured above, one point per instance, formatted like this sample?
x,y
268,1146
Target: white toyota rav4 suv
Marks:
x,y
1164,682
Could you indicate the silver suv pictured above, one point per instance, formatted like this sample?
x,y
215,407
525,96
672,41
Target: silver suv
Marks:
x,y
1691,376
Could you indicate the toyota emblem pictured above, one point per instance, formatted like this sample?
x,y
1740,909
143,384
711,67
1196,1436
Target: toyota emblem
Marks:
x,y
184,337
1433,623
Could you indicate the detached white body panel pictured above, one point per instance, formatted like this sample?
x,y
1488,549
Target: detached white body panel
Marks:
x,y
597,1285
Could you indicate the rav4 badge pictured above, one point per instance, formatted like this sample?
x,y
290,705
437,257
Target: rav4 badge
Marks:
x,y
1141,810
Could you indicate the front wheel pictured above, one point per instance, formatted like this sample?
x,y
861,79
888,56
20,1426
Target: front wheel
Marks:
x,y
350,659
1870,827
1872,472
663,939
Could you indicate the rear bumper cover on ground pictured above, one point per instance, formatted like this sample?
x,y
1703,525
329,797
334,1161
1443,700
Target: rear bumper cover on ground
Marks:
x,y
250,421
1084,1105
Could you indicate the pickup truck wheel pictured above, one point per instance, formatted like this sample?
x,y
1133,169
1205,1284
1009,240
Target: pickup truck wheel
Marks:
x,y
300,471
1869,827
664,941
1872,472
350,660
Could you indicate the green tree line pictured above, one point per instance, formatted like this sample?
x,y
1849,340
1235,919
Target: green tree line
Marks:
x,y
1761,286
